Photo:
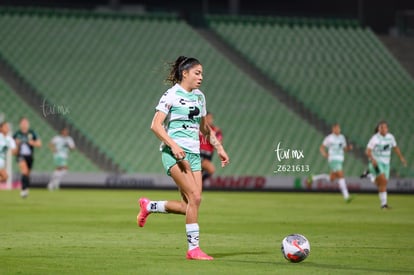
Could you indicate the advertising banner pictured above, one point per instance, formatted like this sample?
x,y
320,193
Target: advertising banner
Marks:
x,y
239,183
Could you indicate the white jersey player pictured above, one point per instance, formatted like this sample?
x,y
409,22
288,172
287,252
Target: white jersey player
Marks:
x,y
6,143
61,145
337,146
379,155
179,116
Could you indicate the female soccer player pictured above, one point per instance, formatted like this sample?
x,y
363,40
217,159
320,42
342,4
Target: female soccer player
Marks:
x,y
60,146
379,156
6,144
336,144
179,116
26,140
207,149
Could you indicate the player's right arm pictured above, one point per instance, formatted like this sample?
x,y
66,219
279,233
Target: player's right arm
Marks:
x,y
322,149
370,147
157,126
371,157
52,146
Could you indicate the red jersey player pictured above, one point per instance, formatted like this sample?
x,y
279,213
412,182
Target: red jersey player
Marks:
x,y
207,150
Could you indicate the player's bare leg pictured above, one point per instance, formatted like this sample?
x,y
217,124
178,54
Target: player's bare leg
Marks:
x,y
381,182
339,176
56,178
190,186
3,175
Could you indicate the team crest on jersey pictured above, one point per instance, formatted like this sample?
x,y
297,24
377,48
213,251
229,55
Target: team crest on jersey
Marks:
x,y
200,99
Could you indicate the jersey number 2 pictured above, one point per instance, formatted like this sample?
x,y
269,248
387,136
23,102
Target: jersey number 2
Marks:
x,y
194,111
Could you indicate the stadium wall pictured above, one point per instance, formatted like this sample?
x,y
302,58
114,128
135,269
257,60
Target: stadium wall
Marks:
x,y
224,183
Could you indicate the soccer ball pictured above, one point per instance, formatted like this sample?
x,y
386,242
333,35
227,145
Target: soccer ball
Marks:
x,y
295,248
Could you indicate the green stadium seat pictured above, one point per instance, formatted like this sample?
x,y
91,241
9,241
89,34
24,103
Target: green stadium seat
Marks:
x,y
13,107
352,73
109,70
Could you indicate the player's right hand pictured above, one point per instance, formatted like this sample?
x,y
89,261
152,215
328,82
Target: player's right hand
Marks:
x,y
178,152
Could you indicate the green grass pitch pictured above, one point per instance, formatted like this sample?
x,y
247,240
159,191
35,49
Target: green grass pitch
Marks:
x,y
95,232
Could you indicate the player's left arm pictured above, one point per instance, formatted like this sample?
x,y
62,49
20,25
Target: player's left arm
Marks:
x,y
348,146
35,141
400,155
210,135
71,144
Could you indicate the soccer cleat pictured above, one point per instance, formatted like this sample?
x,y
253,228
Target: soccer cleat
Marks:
x,y
385,207
143,213
367,175
24,193
198,254
364,174
349,199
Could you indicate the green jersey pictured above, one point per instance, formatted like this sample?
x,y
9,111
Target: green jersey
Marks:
x,y
184,112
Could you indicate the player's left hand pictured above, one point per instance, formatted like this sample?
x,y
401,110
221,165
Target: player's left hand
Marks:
x,y
225,160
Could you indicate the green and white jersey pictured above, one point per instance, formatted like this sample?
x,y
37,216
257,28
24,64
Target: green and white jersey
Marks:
x,y
6,143
62,145
184,112
336,145
381,147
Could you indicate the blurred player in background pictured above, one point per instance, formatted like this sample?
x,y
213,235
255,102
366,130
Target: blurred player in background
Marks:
x,y
207,149
60,145
180,115
26,140
6,143
337,146
379,155
366,173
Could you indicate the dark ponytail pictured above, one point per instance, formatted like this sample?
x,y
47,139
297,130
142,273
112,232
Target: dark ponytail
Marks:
x,y
177,67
